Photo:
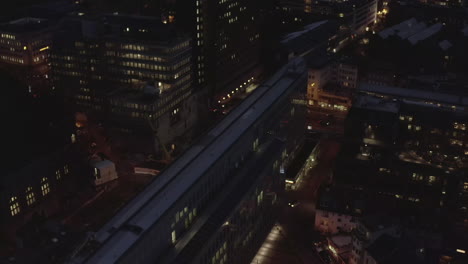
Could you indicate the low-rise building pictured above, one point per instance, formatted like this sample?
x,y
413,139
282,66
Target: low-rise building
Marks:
x,y
368,230
340,247
103,171
331,83
338,210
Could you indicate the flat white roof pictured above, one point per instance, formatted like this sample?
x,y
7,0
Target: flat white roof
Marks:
x,y
103,164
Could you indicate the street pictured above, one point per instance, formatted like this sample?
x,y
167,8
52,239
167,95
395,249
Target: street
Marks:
x,y
291,239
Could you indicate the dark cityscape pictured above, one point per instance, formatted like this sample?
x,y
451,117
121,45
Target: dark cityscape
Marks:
x,y
234,131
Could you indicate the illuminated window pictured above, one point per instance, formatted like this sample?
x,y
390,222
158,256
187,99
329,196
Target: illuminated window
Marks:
x,y
174,237
14,206
58,174
417,177
194,211
260,198
386,170
255,145
30,197
45,188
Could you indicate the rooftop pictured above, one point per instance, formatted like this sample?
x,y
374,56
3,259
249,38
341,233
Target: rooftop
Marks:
x,y
306,29
375,103
114,26
150,205
335,89
317,61
379,221
383,247
408,93
411,30
445,45
52,9
343,6
341,240
103,164
24,25
341,200
311,37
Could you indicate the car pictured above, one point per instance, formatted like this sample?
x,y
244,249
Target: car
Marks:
x,y
293,203
325,257
325,123
319,240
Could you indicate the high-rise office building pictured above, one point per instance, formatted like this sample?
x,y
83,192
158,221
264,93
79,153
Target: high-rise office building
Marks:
x,y
225,34
135,72
226,41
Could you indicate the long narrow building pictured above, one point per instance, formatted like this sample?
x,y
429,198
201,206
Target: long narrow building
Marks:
x,y
215,204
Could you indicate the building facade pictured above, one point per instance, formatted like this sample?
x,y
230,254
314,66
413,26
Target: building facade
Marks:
x,y
329,222
226,42
134,72
32,190
25,46
338,210
354,15
367,231
331,84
